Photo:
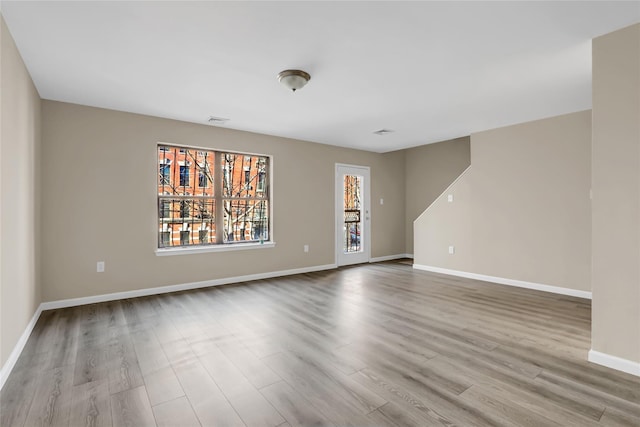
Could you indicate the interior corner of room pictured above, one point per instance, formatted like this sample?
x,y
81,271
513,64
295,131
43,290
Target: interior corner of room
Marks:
x,y
510,205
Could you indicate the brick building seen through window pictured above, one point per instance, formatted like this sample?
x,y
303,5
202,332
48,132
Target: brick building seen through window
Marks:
x,y
208,197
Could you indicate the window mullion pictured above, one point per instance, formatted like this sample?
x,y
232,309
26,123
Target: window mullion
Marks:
x,y
184,197
217,194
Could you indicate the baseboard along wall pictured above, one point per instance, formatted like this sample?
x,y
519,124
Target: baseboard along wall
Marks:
x,y
614,362
509,282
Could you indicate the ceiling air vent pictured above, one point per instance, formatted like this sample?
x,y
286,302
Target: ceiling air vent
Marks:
x,y
217,120
383,132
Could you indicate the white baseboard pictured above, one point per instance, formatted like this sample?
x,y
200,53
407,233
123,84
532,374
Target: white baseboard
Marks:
x,y
182,287
51,305
614,362
17,350
390,257
510,282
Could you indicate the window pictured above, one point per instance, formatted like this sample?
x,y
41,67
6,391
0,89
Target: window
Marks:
x,y
165,170
261,186
246,211
203,181
229,203
184,237
184,176
165,209
184,209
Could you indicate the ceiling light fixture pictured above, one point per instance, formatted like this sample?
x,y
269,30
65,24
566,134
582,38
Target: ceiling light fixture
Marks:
x,y
294,79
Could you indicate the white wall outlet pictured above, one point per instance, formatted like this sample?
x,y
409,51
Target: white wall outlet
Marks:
x,y
100,267
306,248
450,198
381,201
452,250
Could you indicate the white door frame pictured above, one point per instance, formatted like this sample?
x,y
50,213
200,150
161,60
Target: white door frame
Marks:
x,y
365,239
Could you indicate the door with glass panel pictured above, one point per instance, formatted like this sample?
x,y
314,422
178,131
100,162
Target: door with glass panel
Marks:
x,y
352,214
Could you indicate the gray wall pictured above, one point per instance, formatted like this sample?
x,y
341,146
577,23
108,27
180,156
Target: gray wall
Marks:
x,y
100,200
522,210
616,194
19,195
428,171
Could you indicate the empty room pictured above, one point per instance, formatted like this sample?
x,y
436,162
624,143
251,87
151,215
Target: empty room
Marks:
x,y
317,213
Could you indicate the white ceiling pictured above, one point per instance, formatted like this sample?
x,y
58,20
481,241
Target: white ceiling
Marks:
x,y
428,70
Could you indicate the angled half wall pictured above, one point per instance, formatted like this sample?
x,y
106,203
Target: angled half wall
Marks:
x,y
521,213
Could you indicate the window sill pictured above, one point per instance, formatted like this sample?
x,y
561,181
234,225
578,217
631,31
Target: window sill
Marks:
x,y
217,248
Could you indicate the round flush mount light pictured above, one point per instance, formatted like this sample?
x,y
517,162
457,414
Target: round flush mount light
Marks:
x,y
294,79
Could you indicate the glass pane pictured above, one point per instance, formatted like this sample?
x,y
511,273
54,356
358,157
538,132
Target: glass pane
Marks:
x,y
186,222
184,237
165,173
243,175
246,220
352,213
203,180
185,172
184,176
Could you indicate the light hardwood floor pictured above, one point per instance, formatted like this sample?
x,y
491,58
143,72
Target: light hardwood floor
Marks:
x,y
371,345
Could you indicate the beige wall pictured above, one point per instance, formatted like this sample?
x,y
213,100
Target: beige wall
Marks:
x,y
19,187
616,194
429,170
99,197
447,224
522,211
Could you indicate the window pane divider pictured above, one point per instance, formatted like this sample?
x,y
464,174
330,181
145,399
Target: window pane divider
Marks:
x,y
245,198
217,177
186,197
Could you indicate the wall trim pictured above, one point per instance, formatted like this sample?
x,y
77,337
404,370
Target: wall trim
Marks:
x,y
17,350
225,247
510,282
390,257
614,362
72,302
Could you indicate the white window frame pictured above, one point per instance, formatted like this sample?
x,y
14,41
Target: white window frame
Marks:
x,y
221,247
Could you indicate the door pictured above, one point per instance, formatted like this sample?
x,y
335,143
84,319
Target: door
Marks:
x,y
352,215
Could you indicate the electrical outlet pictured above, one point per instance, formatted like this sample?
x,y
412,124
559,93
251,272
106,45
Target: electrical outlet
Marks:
x,y
306,248
100,267
381,201
452,250
450,198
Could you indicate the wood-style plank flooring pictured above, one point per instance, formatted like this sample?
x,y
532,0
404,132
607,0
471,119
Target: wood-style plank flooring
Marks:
x,y
370,345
